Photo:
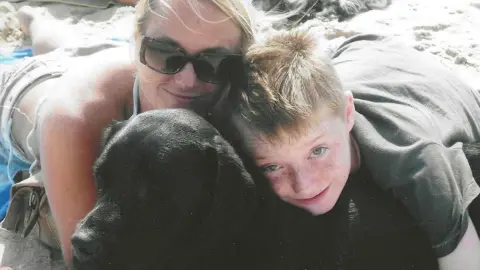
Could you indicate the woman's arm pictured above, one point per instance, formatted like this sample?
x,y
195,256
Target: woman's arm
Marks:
x,y
67,153
467,254
69,138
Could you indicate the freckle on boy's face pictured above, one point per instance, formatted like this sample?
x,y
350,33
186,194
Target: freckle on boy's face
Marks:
x,y
308,171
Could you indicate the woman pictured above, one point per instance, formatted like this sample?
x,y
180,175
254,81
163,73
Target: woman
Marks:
x,y
69,101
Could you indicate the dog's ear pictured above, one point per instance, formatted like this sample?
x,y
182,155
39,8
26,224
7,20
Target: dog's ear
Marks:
x,y
235,197
107,134
109,131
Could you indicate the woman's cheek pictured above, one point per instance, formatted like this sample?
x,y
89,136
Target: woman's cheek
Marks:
x,y
151,77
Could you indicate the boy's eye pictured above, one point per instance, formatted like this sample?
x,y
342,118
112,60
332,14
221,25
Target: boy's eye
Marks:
x,y
318,151
270,168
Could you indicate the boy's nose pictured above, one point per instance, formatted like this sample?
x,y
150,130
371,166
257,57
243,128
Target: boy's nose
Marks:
x,y
302,182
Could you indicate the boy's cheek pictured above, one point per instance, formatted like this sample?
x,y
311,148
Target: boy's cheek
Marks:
x,y
281,190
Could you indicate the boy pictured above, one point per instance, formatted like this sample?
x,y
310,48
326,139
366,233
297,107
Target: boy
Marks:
x,y
396,111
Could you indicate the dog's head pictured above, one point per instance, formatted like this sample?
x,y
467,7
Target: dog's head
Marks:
x,y
170,190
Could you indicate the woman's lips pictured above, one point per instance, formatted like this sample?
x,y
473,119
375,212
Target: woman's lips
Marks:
x,y
184,97
313,199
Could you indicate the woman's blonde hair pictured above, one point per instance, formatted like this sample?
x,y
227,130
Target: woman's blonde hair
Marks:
x,y
242,12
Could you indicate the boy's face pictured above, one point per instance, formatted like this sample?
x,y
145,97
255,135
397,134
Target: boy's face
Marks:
x,y
310,171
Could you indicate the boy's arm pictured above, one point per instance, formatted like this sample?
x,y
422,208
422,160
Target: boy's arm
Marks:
x,y
467,254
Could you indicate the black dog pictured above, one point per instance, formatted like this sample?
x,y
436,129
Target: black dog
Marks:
x,y
173,194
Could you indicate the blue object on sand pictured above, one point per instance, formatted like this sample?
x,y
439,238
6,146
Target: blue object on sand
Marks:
x,y
10,57
17,54
6,185
119,39
4,198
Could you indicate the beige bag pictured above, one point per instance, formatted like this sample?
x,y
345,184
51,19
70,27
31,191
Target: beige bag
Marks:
x,y
29,212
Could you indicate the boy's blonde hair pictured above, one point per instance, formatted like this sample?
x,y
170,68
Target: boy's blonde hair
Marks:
x,y
290,81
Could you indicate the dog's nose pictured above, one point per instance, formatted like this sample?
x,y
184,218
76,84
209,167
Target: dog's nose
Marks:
x,y
84,247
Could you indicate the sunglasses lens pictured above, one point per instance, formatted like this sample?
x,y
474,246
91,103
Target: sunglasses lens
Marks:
x,y
174,63
216,69
168,59
205,71
164,61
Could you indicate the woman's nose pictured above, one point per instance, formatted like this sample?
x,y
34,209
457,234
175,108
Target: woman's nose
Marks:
x,y
186,78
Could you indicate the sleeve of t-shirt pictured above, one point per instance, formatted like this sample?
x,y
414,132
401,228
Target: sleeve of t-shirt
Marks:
x,y
437,187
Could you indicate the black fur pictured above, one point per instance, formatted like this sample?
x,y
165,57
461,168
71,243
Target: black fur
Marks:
x,y
173,194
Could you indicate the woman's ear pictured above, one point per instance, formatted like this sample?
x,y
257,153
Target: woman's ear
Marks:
x,y
349,110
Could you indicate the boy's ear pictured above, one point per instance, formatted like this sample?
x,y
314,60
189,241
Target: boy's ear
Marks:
x,y
349,110
109,131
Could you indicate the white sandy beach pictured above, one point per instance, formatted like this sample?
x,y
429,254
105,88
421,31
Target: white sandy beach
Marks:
x,y
448,29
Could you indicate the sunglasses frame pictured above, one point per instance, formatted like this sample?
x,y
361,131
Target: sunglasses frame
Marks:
x,y
190,58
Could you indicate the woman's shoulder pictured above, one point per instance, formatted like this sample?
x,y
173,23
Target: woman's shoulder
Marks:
x,y
95,88
108,73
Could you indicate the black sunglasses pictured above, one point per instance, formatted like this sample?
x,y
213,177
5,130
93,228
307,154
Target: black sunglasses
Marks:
x,y
212,67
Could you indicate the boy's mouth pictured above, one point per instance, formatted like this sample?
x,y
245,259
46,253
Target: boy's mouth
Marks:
x,y
313,199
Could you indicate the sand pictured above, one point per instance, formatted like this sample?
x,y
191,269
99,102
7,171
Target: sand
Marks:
x,y
114,22
448,29
445,28
26,254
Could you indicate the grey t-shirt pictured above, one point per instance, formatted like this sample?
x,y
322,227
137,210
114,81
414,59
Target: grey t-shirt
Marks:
x,y
412,116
